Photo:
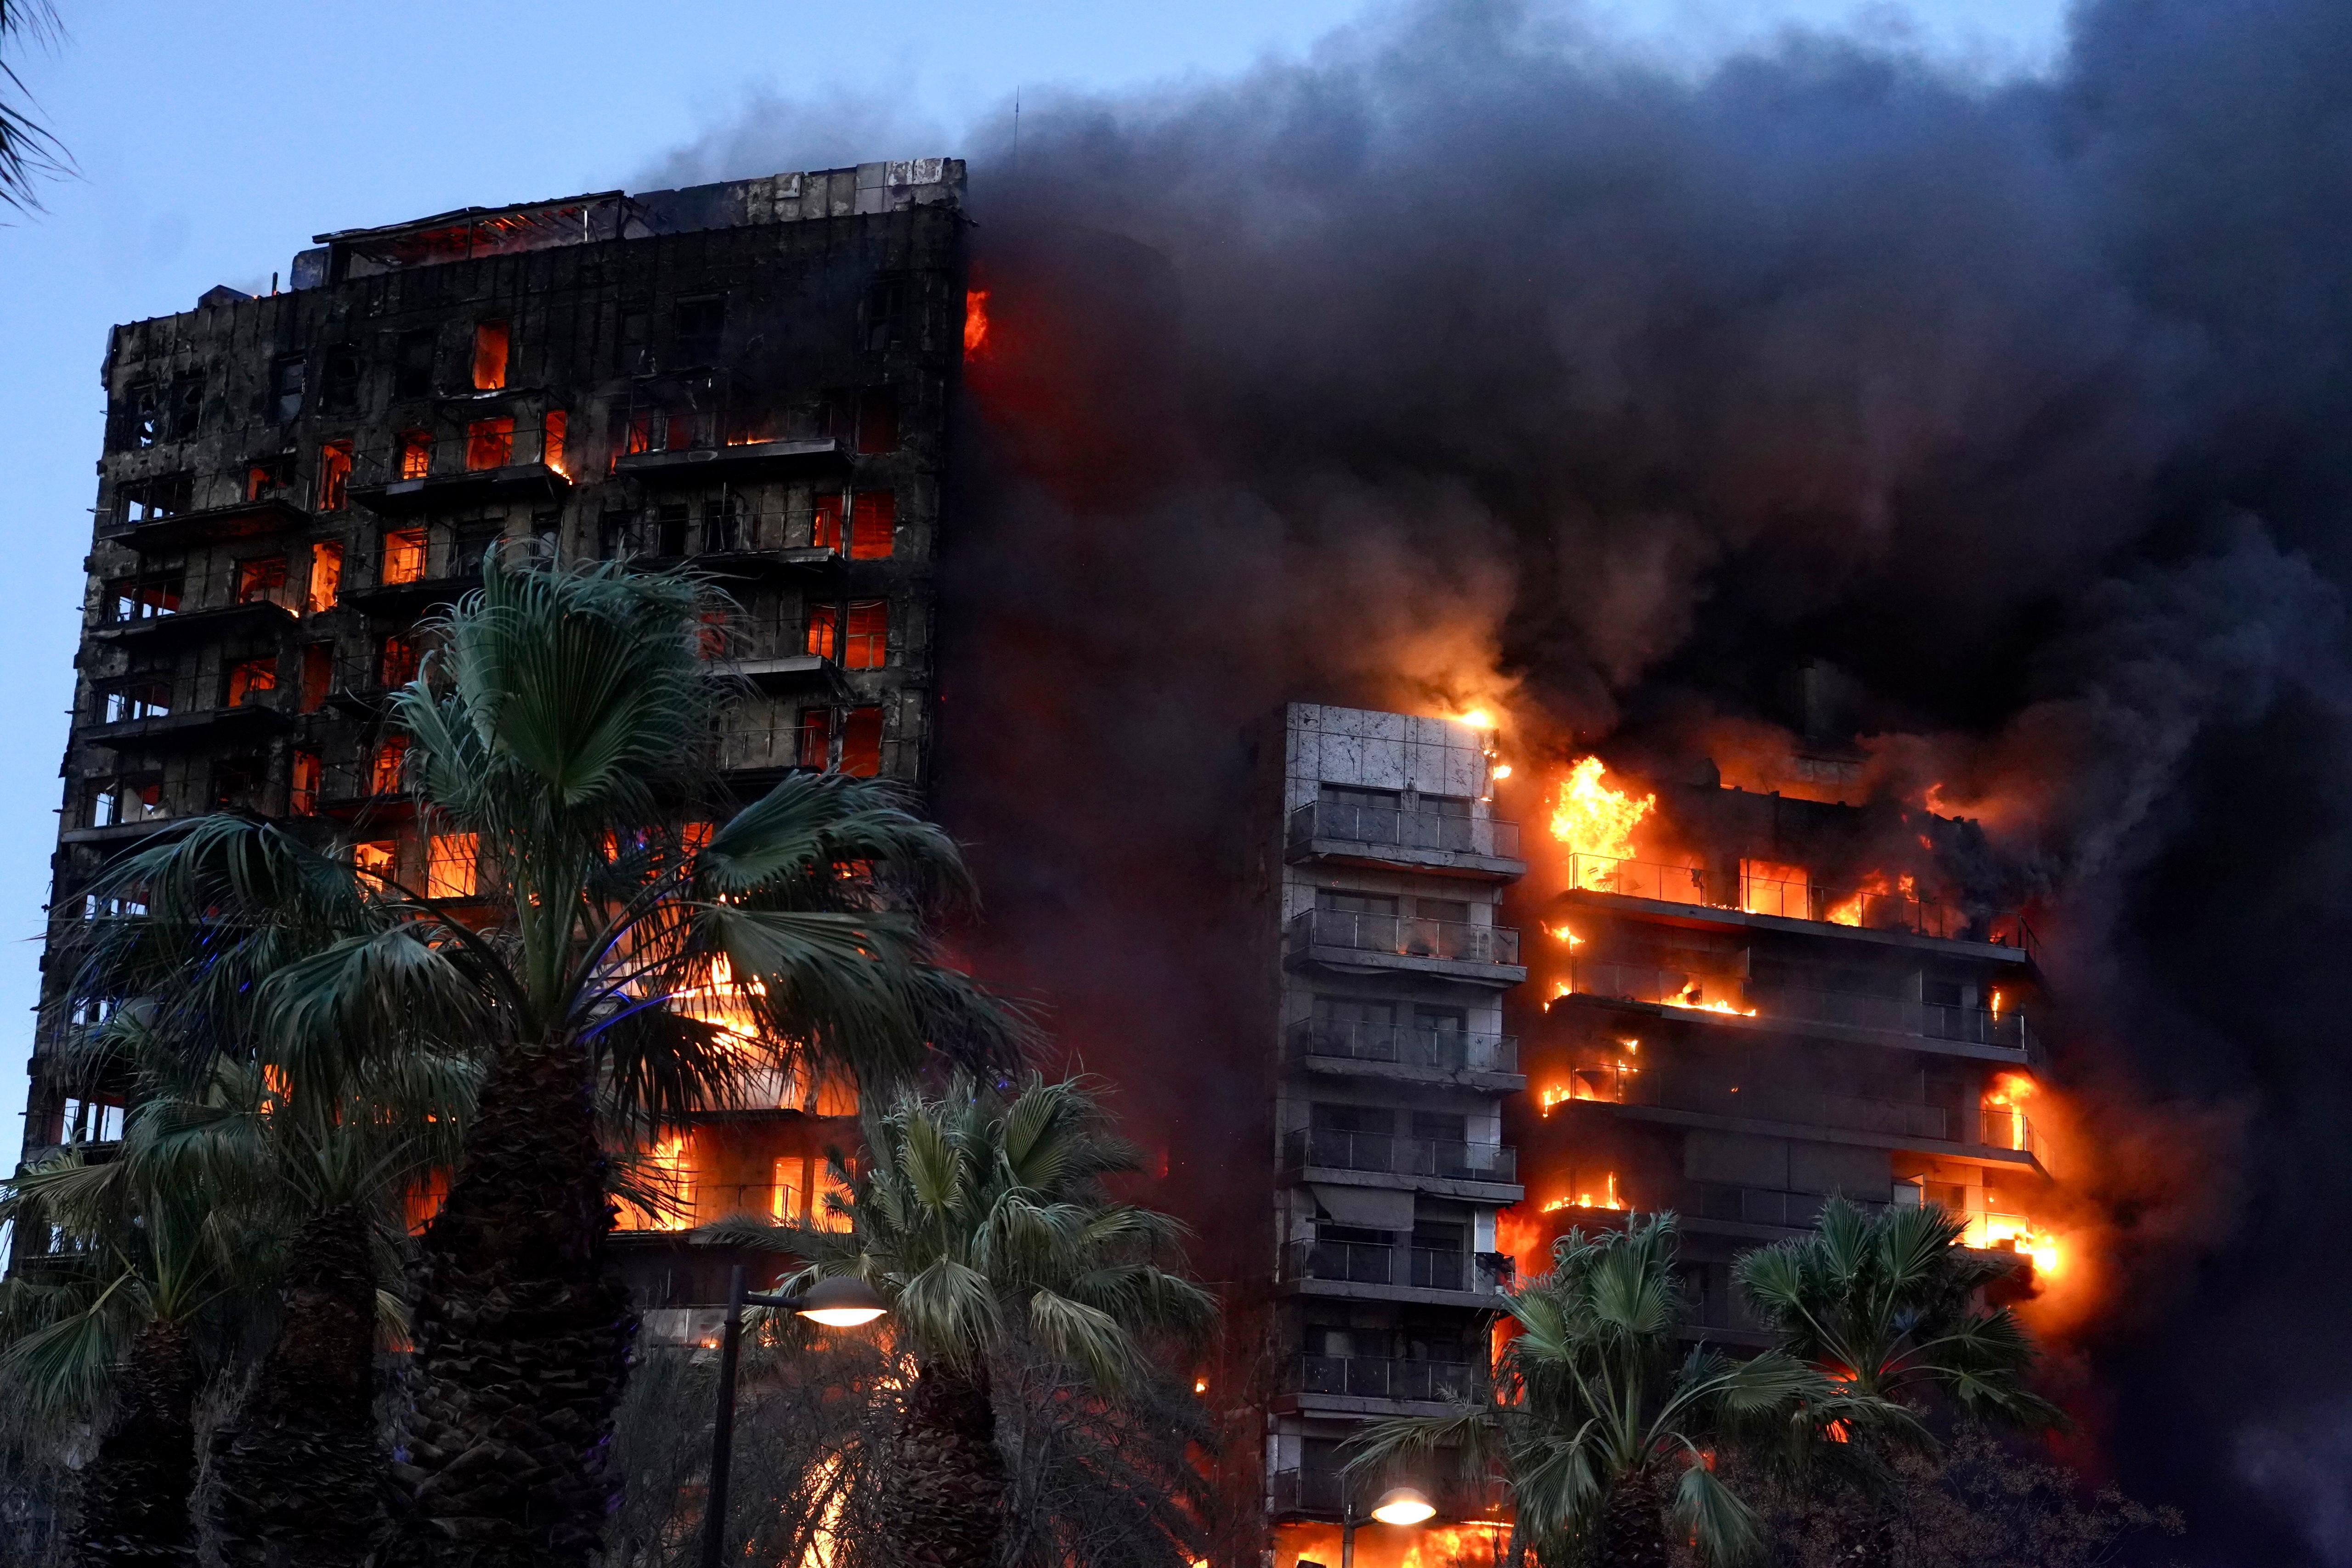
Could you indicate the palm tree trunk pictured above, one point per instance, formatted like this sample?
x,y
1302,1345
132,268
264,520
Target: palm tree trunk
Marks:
x,y
944,1503
1633,1524
521,1333
135,1492
299,1475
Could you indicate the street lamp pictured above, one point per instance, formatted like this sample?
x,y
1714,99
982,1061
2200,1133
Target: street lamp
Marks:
x,y
1398,1505
843,1301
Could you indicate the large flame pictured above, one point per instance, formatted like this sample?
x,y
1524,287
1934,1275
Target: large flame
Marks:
x,y
975,320
1606,1198
2003,1111
1591,818
1380,1546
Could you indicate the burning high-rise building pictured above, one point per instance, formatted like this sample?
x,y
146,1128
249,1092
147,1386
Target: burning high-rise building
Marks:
x,y
751,379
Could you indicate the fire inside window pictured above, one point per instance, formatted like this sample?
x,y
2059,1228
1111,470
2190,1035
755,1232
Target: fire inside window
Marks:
x,y
396,661
866,640
261,582
263,474
861,742
248,678
550,439
490,356
404,556
413,459
872,525
375,859
385,767
451,866
816,744
490,444
317,675
303,778
334,475
326,576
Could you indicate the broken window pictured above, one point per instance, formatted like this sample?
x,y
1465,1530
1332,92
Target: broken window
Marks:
x,y
861,742
385,767
144,598
334,475
377,858
91,1121
884,318
413,456
550,439
286,382
326,575
404,556
302,779
877,420
127,800
164,495
490,444
261,582
450,865
413,370
814,748
873,523
616,536
669,528
396,661
339,380
136,700
248,678
700,324
317,675
265,475
824,523
724,524
489,355
823,638
142,415
238,783
636,343
866,640
185,405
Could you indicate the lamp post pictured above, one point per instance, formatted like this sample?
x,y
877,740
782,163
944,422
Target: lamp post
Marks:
x,y
1398,1505
841,1301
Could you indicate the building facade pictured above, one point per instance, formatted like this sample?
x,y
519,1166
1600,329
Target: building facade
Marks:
x,y
1394,1068
751,379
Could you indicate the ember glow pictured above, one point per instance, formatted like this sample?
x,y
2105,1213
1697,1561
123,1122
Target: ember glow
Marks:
x,y
1606,1198
975,320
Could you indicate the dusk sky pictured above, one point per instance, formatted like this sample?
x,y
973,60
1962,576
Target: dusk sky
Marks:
x,y
211,143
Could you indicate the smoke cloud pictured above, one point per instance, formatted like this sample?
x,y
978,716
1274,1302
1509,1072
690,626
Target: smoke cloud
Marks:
x,y
1472,359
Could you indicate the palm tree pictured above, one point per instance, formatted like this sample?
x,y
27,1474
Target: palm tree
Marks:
x,y
630,959
983,1221
28,152
1889,1304
1606,1433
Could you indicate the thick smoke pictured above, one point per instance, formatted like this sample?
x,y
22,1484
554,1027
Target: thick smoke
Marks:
x,y
1470,359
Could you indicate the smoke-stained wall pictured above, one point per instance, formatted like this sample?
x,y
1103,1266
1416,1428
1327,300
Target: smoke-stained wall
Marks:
x,y
1469,360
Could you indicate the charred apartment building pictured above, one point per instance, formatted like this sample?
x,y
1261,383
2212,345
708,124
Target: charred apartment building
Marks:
x,y
753,379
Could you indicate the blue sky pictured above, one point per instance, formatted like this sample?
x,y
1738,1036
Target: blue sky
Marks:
x,y
214,140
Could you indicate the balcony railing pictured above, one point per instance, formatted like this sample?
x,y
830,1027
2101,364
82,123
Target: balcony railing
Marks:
x,y
1867,909
1731,994
707,1203
1318,1491
1440,1050
1379,828
1386,1377
1405,936
149,705
1667,1091
1443,1158
1755,1206
1373,1263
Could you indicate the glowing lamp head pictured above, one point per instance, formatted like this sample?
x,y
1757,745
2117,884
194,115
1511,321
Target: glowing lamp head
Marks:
x,y
1402,1505
842,1301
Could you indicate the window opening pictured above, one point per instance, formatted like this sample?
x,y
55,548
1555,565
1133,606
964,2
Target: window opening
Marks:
x,y
166,496
824,523
317,675
490,356
404,556
823,632
137,701
263,474
339,380
92,1122
334,475
326,575
261,582
866,641
873,523
376,858
413,459
669,528
413,376
396,661
451,866
877,420
815,747
701,323
146,600
302,782
385,767
490,444
287,378
550,439
248,678
861,742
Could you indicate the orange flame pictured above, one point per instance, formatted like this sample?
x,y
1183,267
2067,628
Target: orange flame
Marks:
x,y
1608,1199
975,320
1591,818
2003,1111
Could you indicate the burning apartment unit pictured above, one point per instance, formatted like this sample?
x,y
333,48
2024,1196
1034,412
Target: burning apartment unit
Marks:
x,y
1394,1068
1757,1001
749,379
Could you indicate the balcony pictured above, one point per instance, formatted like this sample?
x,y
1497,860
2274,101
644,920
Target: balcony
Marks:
x,y
1732,999
735,460
1375,1377
1424,841
464,487
182,711
1437,1159
1859,909
1436,1053
1317,1492
251,598
1455,949
152,534
1763,1102
1388,1270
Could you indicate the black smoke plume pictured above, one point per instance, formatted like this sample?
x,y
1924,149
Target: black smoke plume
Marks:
x,y
1471,358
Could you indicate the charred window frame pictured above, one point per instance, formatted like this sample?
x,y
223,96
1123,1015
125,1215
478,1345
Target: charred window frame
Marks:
x,y
877,421
163,495
339,378
119,803
413,355
289,382
636,341
885,319
269,475
147,597
155,412
698,328
238,782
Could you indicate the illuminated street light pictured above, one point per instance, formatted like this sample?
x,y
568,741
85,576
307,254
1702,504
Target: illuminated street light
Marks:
x,y
1402,1505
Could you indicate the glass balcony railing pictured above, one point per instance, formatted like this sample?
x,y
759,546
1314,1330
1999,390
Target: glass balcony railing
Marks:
x,y
1405,936
1387,1155
1373,1263
1439,1050
1731,994
1377,827
1316,1491
1668,1092
1386,1377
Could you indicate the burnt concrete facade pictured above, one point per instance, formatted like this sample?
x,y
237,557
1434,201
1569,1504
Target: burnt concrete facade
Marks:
x,y
751,379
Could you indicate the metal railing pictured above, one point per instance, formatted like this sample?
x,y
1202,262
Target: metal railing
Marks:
x,y
153,599
1386,1377
707,1203
1375,1263
133,702
1317,1490
1442,1049
1863,908
1405,936
1670,1092
1386,1154
1756,1205
1800,1004
1378,827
